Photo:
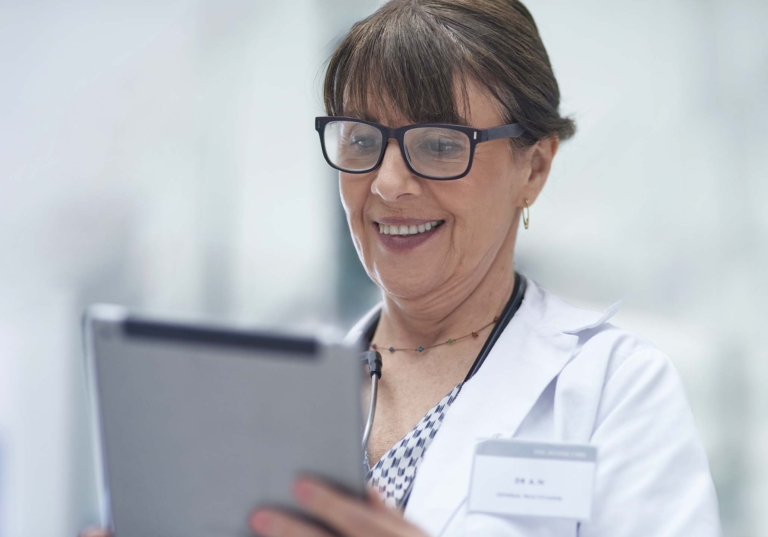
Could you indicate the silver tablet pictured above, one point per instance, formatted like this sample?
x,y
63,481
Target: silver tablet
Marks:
x,y
199,425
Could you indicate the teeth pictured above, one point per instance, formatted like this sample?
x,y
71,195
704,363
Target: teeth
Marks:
x,y
408,230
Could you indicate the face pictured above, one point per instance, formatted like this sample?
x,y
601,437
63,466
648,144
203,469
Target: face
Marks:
x,y
457,229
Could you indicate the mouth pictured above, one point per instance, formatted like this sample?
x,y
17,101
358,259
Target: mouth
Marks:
x,y
401,237
385,229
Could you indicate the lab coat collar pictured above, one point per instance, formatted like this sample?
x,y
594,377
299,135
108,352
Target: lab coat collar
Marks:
x,y
356,334
557,314
538,342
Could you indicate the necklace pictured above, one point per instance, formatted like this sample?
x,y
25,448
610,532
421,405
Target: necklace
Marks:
x,y
473,335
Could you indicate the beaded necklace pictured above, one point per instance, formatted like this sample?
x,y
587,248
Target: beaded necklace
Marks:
x,y
473,335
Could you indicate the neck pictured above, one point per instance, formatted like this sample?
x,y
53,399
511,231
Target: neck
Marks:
x,y
450,312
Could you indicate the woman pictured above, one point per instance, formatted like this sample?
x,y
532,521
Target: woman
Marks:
x,y
434,213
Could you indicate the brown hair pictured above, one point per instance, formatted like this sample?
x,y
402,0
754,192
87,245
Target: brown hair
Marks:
x,y
410,53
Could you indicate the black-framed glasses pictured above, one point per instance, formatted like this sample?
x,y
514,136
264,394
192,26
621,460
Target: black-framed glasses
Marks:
x,y
433,151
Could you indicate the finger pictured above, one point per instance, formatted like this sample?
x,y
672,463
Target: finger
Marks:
x,y
346,514
376,501
272,523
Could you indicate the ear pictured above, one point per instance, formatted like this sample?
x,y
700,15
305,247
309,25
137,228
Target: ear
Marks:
x,y
540,157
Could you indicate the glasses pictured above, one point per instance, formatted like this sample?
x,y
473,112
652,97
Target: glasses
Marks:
x,y
433,151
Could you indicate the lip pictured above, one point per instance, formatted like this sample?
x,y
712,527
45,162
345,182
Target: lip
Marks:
x,y
400,221
405,243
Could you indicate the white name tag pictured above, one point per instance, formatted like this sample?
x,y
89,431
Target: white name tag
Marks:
x,y
516,477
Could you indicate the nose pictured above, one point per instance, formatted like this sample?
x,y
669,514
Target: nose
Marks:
x,y
393,179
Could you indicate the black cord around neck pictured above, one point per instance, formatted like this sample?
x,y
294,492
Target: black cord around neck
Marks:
x,y
506,315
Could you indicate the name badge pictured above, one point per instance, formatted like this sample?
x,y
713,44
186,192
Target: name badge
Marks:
x,y
516,477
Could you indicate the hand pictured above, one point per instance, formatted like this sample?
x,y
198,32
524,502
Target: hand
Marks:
x,y
348,516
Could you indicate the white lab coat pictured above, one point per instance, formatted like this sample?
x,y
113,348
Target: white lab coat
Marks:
x,y
563,374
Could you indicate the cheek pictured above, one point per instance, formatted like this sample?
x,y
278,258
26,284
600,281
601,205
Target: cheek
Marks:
x,y
484,208
481,228
354,195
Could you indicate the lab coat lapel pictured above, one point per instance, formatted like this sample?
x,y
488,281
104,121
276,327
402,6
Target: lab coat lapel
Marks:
x,y
524,360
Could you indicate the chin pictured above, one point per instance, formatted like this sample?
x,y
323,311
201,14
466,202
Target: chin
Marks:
x,y
406,286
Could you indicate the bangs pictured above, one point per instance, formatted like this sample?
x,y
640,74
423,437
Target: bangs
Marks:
x,y
415,60
398,62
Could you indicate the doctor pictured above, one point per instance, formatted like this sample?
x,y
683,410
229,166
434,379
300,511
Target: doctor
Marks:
x,y
434,214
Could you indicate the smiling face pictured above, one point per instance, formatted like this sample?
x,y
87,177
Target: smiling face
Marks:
x,y
420,238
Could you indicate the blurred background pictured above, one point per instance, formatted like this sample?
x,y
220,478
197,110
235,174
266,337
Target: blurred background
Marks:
x,y
162,155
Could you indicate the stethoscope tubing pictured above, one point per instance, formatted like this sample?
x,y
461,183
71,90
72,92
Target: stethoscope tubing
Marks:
x,y
371,411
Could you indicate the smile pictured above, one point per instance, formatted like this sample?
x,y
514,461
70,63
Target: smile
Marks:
x,y
409,230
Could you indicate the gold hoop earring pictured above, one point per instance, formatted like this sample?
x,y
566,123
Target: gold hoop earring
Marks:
x,y
526,214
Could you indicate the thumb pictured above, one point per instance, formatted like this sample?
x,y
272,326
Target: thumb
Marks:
x,y
376,502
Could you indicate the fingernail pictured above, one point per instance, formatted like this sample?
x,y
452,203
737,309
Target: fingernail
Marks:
x,y
302,491
261,522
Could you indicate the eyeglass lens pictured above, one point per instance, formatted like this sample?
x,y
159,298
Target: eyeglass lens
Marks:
x,y
432,151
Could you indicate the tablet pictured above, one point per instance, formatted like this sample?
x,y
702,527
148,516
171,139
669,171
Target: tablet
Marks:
x,y
199,425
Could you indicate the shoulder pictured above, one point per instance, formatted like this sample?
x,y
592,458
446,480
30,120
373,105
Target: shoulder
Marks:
x,y
608,368
621,394
596,341
611,371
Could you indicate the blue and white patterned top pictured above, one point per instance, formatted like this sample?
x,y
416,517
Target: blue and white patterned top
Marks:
x,y
395,471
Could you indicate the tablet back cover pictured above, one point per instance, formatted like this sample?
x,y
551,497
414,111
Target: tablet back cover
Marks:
x,y
199,426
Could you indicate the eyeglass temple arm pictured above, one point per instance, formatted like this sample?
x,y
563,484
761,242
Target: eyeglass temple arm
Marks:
x,y
504,131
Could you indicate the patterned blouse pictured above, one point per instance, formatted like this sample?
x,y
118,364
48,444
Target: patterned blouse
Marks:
x,y
394,473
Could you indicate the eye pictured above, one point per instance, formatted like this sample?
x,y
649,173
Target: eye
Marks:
x,y
440,144
360,138
363,140
443,146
